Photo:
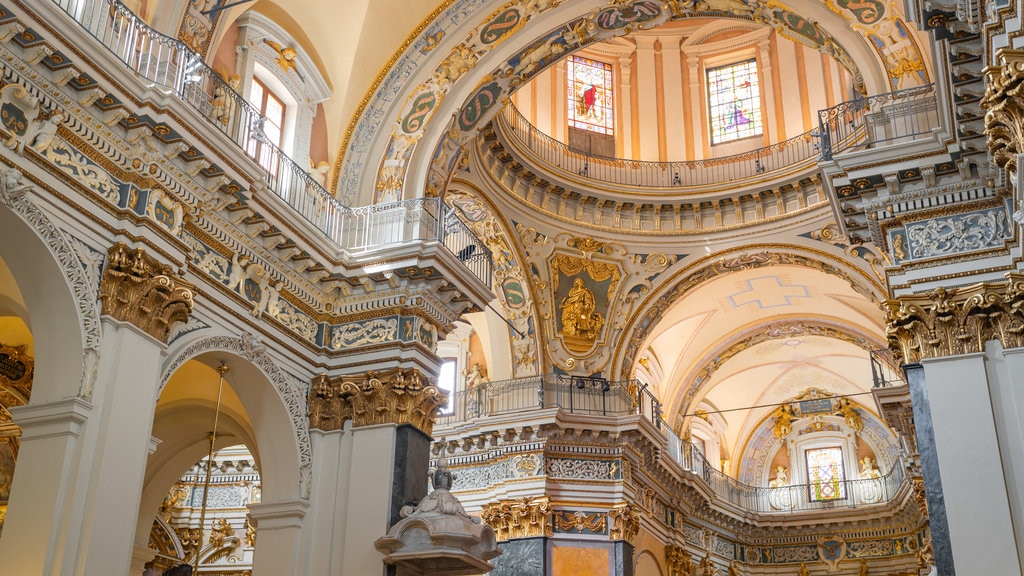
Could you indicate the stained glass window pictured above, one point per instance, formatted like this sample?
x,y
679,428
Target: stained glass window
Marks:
x,y
825,474
590,95
734,102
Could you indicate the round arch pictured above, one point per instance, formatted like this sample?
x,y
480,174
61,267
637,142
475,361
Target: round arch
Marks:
x,y
60,302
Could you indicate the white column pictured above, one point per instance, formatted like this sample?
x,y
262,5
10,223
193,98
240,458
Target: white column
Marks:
x,y
332,462
764,63
624,130
126,395
697,106
646,81
278,541
369,495
967,448
37,527
1006,372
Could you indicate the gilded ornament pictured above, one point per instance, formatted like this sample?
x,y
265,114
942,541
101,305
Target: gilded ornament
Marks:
x,y
625,523
1004,117
138,289
679,561
949,322
396,396
523,518
580,521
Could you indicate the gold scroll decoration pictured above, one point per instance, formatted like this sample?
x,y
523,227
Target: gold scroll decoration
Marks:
x,y
523,518
396,396
948,322
679,561
625,523
1004,103
138,289
581,317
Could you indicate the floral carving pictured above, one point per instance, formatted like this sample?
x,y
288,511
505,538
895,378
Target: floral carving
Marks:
x,y
398,396
525,518
136,288
947,322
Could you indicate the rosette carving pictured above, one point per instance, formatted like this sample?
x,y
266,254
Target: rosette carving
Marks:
x,y
136,288
1004,102
397,396
524,518
947,322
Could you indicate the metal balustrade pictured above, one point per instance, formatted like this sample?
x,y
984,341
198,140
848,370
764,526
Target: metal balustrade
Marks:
x,y
762,163
889,118
601,397
171,66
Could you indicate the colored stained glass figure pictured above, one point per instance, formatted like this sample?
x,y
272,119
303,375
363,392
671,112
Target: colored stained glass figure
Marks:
x,y
734,102
825,474
590,95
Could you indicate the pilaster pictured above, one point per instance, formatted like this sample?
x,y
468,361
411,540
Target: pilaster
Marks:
x,y
278,528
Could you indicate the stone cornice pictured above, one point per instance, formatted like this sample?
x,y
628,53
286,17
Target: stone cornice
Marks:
x,y
138,289
949,322
397,396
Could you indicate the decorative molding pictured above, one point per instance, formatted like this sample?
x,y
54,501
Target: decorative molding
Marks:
x,y
396,396
580,521
524,518
953,321
13,195
250,348
1004,119
137,288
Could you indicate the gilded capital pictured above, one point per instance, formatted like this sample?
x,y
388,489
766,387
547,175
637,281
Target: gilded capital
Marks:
x,y
136,288
524,518
625,523
948,322
397,396
679,561
1004,119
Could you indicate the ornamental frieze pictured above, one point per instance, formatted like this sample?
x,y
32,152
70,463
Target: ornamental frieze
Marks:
x,y
523,518
138,289
948,322
396,396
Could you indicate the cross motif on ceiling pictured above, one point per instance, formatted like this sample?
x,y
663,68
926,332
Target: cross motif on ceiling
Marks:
x,y
768,292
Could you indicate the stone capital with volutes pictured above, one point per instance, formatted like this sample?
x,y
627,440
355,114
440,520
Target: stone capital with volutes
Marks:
x,y
949,322
138,289
521,518
396,396
1004,106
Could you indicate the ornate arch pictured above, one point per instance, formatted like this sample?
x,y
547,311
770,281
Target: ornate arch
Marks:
x,y
287,387
13,195
660,301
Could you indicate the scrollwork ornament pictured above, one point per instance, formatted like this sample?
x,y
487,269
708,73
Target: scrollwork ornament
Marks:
x,y
136,288
397,396
523,518
625,523
1004,117
948,322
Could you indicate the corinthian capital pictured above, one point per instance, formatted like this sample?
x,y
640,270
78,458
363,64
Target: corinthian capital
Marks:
x,y
1004,120
948,322
397,396
524,518
136,288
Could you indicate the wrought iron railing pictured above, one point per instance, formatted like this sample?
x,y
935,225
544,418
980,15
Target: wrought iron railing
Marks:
x,y
889,118
848,493
884,369
576,395
171,66
761,163
600,397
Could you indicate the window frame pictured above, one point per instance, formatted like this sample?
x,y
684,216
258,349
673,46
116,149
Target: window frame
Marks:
x,y
608,129
756,111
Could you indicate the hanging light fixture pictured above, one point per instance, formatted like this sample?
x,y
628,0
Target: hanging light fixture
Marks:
x,y
221,371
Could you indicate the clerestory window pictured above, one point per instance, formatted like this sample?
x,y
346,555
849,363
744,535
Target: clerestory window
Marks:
x,y
734,102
